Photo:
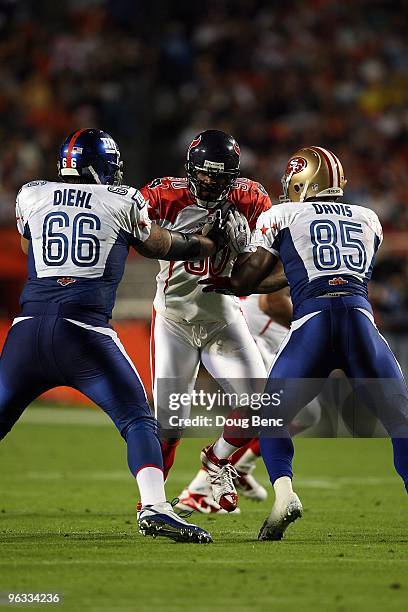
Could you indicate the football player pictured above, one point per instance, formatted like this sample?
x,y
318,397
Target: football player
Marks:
x,y
190,327
77,233
328,251
268,318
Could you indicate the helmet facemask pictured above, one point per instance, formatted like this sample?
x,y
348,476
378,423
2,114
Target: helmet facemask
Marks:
x,y
210,194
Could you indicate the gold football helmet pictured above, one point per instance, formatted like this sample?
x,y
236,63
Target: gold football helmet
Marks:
x,y
313,172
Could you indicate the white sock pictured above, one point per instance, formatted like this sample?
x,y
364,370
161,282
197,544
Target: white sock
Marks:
x,y
200,483
151,486
223,449
283,488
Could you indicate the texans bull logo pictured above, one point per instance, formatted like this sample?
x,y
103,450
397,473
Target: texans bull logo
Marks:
x,y
195,143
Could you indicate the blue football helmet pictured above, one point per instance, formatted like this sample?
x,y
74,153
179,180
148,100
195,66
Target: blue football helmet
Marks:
x,y
92,155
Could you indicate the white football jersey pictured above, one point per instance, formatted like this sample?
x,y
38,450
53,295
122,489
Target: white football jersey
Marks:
x,y
79,233
325,247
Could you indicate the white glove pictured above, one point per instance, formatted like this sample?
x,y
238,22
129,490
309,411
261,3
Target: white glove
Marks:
x,y
239,234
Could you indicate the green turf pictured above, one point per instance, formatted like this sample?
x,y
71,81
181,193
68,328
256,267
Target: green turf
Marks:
x,y
67,523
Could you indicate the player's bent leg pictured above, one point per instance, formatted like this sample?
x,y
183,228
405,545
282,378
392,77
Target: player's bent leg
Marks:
x,y
22,378
98,366
290,372
101,369
371,361
233,359
174,369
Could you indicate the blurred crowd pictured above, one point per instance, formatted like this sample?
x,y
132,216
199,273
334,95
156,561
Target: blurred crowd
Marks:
x,y
277,75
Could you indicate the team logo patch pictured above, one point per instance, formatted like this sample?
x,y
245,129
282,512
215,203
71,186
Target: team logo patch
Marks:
x,y
295,165
195,143
338,280
109,145
66,280
237,149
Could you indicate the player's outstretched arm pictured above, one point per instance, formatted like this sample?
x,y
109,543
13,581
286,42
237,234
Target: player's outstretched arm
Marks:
x,y
273,282
176,246
247,275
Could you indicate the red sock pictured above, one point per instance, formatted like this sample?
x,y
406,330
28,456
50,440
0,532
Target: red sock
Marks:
x,y
169,453
253,445
234,434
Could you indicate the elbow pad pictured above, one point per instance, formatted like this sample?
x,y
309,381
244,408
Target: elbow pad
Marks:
x,y
184,247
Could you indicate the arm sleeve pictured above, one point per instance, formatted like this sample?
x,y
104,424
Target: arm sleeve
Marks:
x,y
139,217
376,225
152,198
21,217
261,203
266,233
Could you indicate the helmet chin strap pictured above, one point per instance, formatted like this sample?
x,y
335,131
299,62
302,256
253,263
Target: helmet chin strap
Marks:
x,y
304,190
95,175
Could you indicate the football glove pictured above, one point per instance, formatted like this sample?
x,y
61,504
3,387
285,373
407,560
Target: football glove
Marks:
x,y
239,234
217,284
216,230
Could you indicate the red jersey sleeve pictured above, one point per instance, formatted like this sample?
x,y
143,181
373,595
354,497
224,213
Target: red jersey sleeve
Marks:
x,y
151,194
251,198
260,202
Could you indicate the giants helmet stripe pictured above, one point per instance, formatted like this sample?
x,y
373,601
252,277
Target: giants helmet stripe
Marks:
x,y
71,146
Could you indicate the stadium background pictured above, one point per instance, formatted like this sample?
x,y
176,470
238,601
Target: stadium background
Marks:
x,y
276,75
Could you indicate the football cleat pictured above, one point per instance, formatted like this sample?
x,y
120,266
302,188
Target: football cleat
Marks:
x,y
188,500
221,475
249,487
161,520
281,516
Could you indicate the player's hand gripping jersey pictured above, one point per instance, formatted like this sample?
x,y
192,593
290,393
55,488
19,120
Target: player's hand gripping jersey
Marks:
x,y
178,296
324,247
80,236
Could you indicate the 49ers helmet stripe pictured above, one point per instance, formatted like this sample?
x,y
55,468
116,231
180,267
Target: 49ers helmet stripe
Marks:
x,y
332,164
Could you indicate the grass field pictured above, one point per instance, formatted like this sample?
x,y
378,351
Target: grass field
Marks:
x,y
67,523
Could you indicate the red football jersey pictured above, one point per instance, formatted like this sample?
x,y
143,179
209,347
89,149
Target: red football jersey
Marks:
x,y
168,196
171,205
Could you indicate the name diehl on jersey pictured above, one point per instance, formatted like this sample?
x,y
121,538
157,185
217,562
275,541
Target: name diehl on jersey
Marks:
x,y
323,246
79,240
178,296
